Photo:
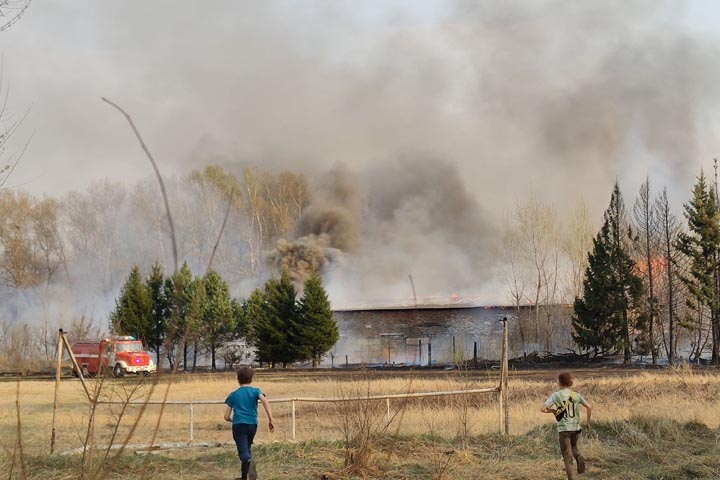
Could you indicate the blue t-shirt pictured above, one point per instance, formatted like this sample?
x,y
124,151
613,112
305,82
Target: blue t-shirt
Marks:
x,y
243,401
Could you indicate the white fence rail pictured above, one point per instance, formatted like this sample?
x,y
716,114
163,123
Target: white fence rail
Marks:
x,y
295,400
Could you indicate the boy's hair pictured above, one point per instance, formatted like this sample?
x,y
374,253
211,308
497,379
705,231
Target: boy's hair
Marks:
x,y
245,375
565,380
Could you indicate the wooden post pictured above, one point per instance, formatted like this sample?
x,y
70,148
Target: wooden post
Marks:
x,y
504,378
420,352
191,423
293,419
501,424
475,354
387,404
58,371
429,353
77,368
455,359
346,361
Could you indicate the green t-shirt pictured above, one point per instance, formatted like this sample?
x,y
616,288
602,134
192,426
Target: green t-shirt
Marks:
x,y
570,421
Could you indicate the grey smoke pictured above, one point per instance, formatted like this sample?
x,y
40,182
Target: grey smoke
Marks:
x,y
367,231
327,229
444,114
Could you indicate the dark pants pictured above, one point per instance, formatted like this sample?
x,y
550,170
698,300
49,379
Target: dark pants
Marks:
x,y
243,434
569,449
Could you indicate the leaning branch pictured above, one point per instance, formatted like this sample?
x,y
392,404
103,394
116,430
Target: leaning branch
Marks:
x,y
157,173
222,229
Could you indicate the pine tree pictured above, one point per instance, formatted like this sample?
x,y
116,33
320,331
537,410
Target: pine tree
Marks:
x,y
701,245
239,320
179,294
218,323
272,332
196,298
260,331
612,291
159,310
133,308
316,332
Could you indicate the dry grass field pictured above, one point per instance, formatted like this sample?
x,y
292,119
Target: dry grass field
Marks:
x,y
659,425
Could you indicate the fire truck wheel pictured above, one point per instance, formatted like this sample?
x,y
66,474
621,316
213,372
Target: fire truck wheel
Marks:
x,y
118,371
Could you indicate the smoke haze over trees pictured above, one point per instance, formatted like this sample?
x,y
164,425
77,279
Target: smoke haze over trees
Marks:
x,y
370,141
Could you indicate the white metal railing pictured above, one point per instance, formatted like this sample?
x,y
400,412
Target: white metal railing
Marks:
x,y
293,401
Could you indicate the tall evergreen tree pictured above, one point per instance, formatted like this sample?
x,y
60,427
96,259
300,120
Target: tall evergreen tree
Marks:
x,y
133,308
218,320
612,290
316,332
196,298
159,310
177,292
701,245
240,323
273,331
261,333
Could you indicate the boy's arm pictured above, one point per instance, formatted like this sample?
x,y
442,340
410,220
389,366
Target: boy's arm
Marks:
x,y
548,406
589,413
228,414
268,410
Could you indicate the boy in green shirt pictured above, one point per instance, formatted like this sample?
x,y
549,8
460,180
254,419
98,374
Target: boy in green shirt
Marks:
x,y
565,405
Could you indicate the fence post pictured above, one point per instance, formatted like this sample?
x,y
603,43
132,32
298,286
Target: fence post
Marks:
x,y
387,404
293,419
504,377
77,368
57,387
191,423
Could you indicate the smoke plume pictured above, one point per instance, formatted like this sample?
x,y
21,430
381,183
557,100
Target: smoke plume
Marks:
x,y
327,229
444,116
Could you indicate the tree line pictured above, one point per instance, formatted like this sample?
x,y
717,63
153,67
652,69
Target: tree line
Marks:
x,y
650,279
65,258
182,315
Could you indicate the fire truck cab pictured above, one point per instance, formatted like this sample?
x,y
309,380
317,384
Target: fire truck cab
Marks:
x,y
118,354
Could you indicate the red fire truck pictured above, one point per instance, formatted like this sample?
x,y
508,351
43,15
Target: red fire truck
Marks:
x,y
118,354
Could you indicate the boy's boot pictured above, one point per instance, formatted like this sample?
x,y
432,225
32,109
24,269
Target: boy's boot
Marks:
x,y
580,463
253,471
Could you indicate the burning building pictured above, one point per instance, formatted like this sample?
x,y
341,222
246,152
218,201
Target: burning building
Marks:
x,y
442,334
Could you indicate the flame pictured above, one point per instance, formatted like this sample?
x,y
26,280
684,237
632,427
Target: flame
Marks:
x,y
658,264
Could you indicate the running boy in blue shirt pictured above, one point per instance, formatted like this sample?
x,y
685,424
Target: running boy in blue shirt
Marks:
x,y
565,405
242,412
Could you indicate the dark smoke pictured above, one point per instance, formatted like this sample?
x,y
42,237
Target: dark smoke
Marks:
x,y
328,228
419,218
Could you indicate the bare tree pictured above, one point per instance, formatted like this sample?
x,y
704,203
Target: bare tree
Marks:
x,y
168,213
11,11
538,226
94,220
516,275
669,227
646,224
31,248
576,246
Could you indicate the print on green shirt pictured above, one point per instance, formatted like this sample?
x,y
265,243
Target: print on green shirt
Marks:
x,y
570,421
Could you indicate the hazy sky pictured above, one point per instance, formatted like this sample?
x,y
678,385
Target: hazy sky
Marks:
x,y
582,92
